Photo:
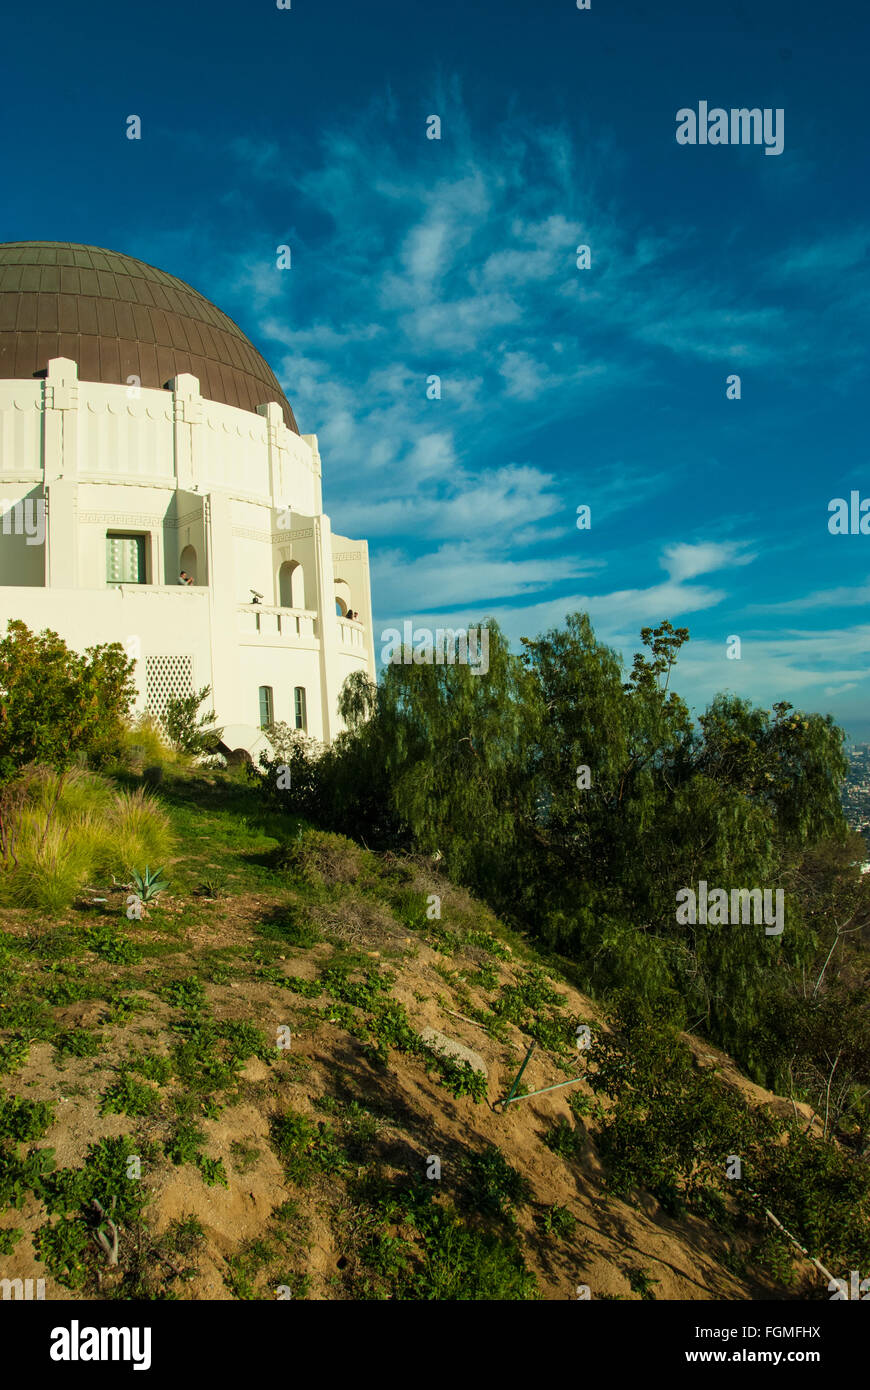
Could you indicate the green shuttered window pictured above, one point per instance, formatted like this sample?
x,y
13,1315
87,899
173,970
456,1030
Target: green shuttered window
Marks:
x,y
125,559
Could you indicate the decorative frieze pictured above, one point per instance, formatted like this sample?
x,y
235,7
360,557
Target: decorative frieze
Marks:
x,y
121,519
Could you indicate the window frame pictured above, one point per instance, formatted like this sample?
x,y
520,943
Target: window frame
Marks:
x,y
269,702
300,708
141,538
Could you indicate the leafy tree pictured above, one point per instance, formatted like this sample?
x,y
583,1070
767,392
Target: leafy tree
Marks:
x,y
186,732
579,801
56,704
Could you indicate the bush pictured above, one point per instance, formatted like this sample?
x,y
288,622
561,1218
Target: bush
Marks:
x,y
58,704
318,857
671,1127
187,733
145,743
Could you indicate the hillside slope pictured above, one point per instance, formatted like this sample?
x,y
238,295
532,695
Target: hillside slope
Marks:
x,y
239,1081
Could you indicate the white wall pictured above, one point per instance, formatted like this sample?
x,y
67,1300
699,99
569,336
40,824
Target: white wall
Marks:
x,y
242,489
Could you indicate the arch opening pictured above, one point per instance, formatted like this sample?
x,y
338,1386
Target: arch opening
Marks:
x,y
291,585
187,563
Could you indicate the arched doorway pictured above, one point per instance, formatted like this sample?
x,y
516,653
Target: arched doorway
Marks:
x,y
188,562
291,585
343,602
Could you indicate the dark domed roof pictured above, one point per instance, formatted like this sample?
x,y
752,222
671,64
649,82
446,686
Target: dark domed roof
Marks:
x,y
118,317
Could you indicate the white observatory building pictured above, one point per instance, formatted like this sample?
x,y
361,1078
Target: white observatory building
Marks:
x,y
142,435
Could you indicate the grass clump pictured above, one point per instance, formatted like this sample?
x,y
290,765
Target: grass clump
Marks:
x,y
64,829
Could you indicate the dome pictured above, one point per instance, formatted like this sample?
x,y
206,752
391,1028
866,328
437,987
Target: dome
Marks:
x,y
118,317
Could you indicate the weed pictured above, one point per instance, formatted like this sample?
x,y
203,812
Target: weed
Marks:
x,y
153,1068
305,1148
77,1042
460,1078
123,1007
9,1235
13,1055
187,994
22,1119
245,1156
104,940
563,1139
492,1186
127,1096
557,1221
640,1282
64,1248
185,1235
212,1170
185,1143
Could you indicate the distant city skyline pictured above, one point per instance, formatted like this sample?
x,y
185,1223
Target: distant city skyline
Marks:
x,y
606,380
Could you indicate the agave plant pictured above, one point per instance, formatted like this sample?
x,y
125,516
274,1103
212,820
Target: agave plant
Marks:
x,y
149,885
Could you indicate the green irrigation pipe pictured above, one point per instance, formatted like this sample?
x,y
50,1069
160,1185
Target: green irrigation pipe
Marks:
x,y
513,1097
519,1073
559,1084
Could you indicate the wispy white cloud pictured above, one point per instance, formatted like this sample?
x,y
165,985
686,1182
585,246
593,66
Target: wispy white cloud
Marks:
x,y
684,561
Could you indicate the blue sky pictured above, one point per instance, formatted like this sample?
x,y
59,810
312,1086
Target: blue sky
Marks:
x,y
457,257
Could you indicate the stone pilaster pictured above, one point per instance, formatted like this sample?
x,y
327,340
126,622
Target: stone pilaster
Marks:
x,y
187,414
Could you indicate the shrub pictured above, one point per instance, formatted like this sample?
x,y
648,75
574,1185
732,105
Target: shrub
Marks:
x,y
318,857
187,733
58,704
145,742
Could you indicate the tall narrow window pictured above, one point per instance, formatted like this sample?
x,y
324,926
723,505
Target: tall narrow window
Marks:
x,y
301,712
266,706
125,559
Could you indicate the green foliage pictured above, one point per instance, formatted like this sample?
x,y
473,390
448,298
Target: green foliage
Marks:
x,y
461,1262
21,1176
144,742
641,1282
58,704
460,1077
128,1096
105,940
77,1042
187,994
185,1234
305,1148
492,1186
185,1143
563,1139
558,1221
409,1246
212,1171
103,1178
58,831
9,1236
484,769
13,1054
149,885
64,1247
22,1119
671,1128
188,732
153,1068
